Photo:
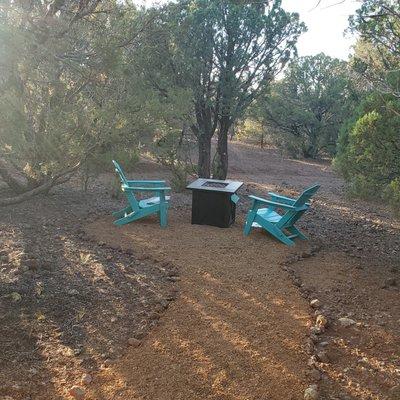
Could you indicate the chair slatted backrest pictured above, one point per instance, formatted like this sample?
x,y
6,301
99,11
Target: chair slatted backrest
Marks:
x,y
120,173
129,194
290,218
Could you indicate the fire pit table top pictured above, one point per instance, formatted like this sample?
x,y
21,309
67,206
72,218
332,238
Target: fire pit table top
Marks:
x,y
215,185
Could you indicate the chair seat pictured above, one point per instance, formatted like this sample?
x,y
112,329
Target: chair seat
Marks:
x,y
267,214
151,201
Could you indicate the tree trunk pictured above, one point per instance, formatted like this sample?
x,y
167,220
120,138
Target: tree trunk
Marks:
x,y
204,164
221,159
42,189
312,148
13,183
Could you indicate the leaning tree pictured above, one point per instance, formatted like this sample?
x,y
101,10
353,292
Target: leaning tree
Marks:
x,y
59,87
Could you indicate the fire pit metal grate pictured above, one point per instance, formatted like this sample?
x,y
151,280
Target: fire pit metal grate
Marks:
x,y
215,184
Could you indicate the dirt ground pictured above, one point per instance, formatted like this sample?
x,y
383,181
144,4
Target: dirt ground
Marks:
x,y
196,312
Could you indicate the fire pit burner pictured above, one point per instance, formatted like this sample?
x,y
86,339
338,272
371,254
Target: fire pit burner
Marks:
x,y
215,184
214,202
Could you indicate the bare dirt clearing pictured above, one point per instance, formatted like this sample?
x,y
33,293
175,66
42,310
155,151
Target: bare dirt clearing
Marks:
x,y
237,329
240,327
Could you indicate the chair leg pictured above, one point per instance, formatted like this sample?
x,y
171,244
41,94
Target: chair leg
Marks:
x,y
163,214
121,213
129,218
276,232
297,232
249,221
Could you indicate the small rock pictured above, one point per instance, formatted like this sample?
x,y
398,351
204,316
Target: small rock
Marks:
x,y
108,362
86,379
77,351
140,334
47,265
311,393
296,282
315,303
323,357
73,292
311,361
15,296
322,321
394,393
164,304
172,273
390,282
24,268
310,346
154,316
32,264
314,338
134,342
315,374
173,278
346,322
77,392
171,297
158,308
315,330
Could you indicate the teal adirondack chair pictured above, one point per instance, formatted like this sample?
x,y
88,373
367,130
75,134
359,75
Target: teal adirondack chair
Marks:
x,y
280,226
141,208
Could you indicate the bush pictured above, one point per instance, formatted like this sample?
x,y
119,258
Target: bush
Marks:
x,y
306,108
369,150
172,149
100,162
250,130
392,195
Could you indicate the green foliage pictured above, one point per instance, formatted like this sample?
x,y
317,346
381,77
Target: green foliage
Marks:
x,y
173,150
307,107
251,130
377,57
224,54
99,162
392,195
369,149
369,144
71,89
58,88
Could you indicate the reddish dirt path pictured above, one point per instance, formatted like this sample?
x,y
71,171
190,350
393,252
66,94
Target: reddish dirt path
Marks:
x,y
237,330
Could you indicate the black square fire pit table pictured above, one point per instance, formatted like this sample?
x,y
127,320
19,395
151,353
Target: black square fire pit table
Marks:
x,y
214,202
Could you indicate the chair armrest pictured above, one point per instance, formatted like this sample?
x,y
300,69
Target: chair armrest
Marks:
x,y
145,189
130,182
272,203
282,199
279,205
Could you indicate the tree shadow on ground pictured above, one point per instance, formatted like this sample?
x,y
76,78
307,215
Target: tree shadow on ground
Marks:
x,y
78,302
